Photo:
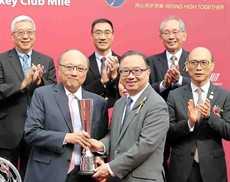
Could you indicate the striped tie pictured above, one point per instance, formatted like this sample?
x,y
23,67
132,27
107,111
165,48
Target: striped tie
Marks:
x,y
173,61
25,65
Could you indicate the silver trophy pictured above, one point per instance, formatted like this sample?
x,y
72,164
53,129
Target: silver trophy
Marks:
x,y
88,163
8,173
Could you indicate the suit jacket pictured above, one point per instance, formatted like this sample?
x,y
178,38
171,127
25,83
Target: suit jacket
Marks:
x,y
13,101
46,126
207,136
136,150
93,83
159,66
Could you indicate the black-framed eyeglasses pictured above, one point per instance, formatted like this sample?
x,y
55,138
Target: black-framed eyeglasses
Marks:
x,y
69,68
135,72
194,63
21,33
99,33
167,33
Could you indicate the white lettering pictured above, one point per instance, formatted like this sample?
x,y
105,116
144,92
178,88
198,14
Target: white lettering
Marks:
x,y
33,2
14,2
58,2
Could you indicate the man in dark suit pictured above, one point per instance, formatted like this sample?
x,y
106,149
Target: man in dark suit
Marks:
x,y
18,80
102,77
168,68
199,120
168,74
54,130
136,142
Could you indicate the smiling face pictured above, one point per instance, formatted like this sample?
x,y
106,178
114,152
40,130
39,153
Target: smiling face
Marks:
x,y
24,43
72,79
134,84
174,38
102,36
200,75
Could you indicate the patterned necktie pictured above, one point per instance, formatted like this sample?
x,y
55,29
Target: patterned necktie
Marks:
x,y
127,110
72,162
199,101
25,65
173,61
103,63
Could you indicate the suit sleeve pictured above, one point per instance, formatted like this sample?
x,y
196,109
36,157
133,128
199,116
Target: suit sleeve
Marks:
x,y
178,128
39,130
221,124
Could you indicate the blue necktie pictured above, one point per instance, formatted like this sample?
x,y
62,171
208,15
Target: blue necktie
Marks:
x,y
25,65
127,110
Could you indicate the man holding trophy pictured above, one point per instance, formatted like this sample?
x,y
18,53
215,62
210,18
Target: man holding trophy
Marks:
x,y
61,122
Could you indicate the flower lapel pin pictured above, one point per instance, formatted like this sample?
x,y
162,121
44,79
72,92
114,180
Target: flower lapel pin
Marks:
x,y
140,105
217,110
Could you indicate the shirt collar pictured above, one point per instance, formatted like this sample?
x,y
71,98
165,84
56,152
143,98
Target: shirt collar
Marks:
x,y
20,54
178,54
204,87
135,97
77,94
98,56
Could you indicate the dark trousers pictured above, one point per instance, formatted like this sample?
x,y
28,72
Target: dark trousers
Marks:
x,y
73,176
195,175
17,156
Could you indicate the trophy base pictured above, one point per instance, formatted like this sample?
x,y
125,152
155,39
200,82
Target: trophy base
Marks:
x,y
88,173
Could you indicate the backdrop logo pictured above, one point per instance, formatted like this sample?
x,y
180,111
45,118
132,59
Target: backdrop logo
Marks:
x,y
115,3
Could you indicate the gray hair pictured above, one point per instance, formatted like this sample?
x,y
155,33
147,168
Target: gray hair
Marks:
x,y
181,23
22,18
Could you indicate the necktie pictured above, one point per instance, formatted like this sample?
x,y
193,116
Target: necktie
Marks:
x,y
199,101
25,65
71,98
127,110
173,61
103,63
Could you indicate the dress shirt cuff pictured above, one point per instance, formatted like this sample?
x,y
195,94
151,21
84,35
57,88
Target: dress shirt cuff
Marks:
x,y
64,142
162,87
180,80
102,153
110,171
191,128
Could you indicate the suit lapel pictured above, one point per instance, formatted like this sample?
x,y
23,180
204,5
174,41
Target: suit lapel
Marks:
x,y
163,62
62,102
16,64
93,66
187,94
132,113
212,94
182,61
35,58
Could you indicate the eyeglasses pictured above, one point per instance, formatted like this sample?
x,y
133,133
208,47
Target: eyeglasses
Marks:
x,y
167,33
135,72
21,33
70,68
99,33
194,63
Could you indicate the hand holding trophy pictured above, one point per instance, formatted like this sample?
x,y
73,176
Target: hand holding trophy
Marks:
x,y
88,163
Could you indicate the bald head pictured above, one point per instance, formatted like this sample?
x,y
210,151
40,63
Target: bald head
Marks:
x,y
201,51
72,69
200,65
73,53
